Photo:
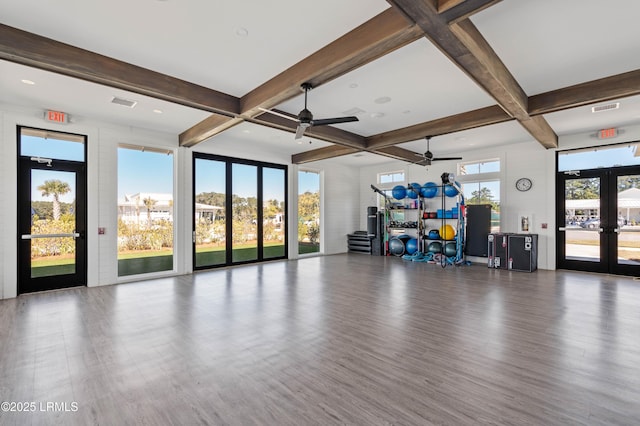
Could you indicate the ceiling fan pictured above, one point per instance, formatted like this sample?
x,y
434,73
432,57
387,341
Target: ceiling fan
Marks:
x,y
305,117
427,157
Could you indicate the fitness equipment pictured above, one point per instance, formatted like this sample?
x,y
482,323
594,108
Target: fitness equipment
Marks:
x,y
447,232
450,249
429,190
411,246
413,191
399,192
434,234
435,247
397,245
450,190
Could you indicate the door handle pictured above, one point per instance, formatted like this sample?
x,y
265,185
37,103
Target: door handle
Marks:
x,y
562,229
600,230
74,235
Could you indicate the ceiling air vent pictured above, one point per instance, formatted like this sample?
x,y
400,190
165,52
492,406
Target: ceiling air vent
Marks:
x,y
123,102
607,107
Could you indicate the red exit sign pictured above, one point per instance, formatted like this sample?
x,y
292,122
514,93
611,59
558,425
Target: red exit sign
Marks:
x,y
607,133
56,116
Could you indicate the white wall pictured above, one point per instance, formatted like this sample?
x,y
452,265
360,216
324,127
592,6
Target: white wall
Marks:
x,y
339,185
527,159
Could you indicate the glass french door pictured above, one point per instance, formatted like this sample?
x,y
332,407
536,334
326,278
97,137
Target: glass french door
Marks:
x,y
599,220
239,211
51,212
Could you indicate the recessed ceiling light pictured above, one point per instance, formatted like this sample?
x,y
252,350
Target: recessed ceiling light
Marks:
x,y
353,85
461,138
29,82
377,115
157,111
242,32
383,100
247,131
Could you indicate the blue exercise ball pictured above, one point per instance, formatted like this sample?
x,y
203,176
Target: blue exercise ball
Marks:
x,y
411,246
450,191
399,192
429,190
415,192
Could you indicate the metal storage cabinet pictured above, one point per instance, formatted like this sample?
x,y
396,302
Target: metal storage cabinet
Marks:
x,y
523,252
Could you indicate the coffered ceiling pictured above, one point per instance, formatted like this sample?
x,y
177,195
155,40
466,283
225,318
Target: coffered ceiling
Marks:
x,y
474,73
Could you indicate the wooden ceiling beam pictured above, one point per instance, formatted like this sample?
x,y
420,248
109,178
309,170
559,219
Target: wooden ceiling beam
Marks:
x,y
601,90
44,53
451,124
322,154
465,46
377,37
398,153
465,9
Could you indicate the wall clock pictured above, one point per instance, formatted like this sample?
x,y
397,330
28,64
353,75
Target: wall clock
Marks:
x,y
523,184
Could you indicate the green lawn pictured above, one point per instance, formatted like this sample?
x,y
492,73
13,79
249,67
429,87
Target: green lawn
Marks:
x,y
154,261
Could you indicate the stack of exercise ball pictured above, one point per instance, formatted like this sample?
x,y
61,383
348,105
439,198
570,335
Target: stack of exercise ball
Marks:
x,y
429,190
450,191
413,191
399,192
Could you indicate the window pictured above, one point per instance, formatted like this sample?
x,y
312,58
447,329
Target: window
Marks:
x,y
386,182
480,183
308,212
391,177
627,154
145,210
239,208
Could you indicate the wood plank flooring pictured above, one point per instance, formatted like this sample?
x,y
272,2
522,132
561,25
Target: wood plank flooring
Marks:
x,y
346,339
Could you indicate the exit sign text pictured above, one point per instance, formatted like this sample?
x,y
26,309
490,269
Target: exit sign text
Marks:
x,y
56,117
608,133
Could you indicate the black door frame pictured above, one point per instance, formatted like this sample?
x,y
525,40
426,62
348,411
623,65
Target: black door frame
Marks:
x,y
608,221
27,284
229,162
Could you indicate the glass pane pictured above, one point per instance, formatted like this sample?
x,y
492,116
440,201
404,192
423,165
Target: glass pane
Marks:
x,y
308,212
53,196
52,145
273,212
244,213
628,220
210,218
582,219
485,193
145,211
601,157
489,166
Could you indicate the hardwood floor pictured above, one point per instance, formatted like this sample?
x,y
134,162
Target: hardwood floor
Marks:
x,y
347,339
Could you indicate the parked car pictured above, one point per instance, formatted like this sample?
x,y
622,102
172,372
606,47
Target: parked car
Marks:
x,y
595,223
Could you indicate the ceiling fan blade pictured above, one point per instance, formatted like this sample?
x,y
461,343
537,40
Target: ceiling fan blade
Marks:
x,y
300,131
279,114
446,158
336,120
